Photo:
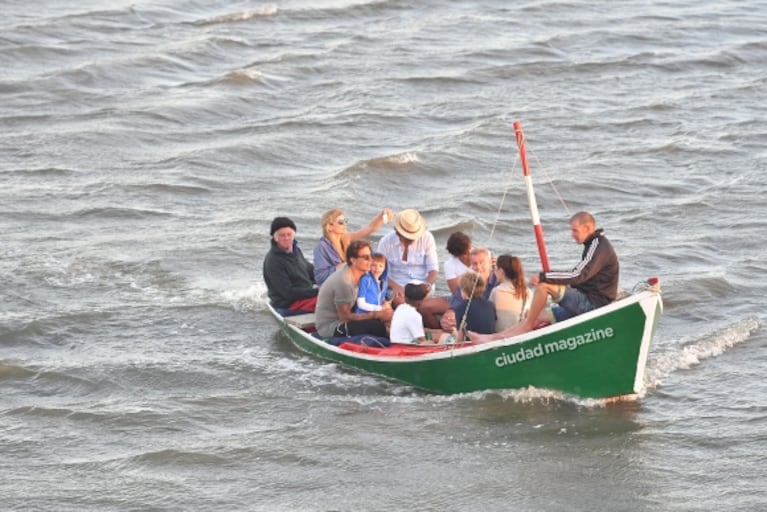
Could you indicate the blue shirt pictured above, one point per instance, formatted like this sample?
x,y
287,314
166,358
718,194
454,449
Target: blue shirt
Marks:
x,y
326,259
481,316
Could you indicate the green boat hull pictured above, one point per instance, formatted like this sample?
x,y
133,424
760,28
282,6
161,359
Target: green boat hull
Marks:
x,y
599,354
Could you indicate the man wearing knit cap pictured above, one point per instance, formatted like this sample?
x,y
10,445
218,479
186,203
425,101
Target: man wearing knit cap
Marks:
x,y
411,253
288,276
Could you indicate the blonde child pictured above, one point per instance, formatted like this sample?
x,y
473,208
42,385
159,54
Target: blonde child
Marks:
x,y
479,312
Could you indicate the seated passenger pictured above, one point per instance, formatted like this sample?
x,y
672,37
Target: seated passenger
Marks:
x,y
407,323
411,253
373,286
288,276
510,297
459,247
329,254
479,312
481,263
338,295
591,284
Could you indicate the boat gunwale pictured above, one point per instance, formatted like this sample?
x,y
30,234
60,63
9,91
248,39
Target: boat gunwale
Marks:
x,y
464,351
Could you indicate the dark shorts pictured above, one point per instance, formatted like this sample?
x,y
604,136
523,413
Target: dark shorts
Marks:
x,y
572,303
374,327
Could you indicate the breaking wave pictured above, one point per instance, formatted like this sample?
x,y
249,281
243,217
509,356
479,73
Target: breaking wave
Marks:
x,y
389,162
261,12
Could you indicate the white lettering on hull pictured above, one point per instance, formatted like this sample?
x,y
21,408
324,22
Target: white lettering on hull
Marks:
x,y
542,349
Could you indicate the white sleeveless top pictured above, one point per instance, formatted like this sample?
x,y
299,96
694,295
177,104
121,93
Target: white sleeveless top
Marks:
x,y
509,309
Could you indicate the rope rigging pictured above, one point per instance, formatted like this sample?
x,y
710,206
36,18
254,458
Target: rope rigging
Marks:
x,y
534,213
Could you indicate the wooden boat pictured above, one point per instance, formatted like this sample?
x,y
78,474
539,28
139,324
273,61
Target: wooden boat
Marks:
x,y
599,354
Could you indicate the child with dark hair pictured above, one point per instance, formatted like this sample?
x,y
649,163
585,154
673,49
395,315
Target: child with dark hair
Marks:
x,y
407,322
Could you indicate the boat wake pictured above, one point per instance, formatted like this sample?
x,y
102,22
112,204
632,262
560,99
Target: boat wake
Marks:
x,y
250,298
662,365
709,345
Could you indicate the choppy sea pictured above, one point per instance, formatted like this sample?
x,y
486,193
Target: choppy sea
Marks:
x,y
146,145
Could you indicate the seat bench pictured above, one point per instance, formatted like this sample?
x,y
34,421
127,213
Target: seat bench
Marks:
x,y
304,321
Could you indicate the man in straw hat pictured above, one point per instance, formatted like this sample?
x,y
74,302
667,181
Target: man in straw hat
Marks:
x,y
411,253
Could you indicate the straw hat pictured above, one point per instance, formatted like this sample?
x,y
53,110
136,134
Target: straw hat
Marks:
x,y
409,224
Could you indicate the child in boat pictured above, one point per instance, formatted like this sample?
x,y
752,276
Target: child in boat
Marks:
x,y
373,287
407,322
479,311
432,308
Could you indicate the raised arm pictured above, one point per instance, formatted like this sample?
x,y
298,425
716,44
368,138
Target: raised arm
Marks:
x,y
373,226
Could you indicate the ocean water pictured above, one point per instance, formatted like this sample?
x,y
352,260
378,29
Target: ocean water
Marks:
x,y
145,147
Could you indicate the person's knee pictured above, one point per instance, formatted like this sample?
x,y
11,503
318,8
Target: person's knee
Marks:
x,y
433,306
542,289
426,308
555,291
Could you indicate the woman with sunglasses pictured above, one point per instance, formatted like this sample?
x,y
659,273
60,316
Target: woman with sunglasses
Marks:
x,y
329,254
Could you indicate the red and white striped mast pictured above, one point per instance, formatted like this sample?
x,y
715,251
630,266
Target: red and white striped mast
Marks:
x,y
531,198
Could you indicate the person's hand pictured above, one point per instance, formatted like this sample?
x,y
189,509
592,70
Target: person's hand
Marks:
x,y
385,315
534,279
447,322
387,215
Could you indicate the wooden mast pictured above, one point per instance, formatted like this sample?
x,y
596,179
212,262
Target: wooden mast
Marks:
x,y
531,198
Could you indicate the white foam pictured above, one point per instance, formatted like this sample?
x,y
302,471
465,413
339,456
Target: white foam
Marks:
x,y
264,11
251,298
403,158
245,74
710,345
